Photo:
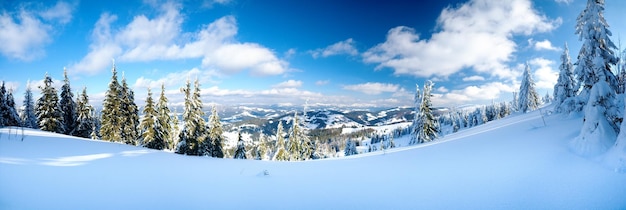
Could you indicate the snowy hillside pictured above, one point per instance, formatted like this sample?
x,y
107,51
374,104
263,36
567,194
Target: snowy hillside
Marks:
x,y
512,163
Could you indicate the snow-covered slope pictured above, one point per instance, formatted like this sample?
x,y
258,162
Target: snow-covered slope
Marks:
x,y
512,163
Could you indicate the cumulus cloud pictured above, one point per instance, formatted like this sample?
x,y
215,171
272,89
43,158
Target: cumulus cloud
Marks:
x,y
322,82
477,34
343,47
545,76
473,78
372,88
26,33
543,45
175,79
480,93
289,84
162,38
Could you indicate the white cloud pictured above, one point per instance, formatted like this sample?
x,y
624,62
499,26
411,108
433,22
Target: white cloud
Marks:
x,y
371,88
545,76
289,84
322,82
175,79
212,3
477,34
24,34
442,89
162,38
544,45
474,94
343,47
473,78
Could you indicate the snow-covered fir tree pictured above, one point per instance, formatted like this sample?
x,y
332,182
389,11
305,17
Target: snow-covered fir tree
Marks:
x,y
295,143
28,116
111,118
215,142
350,148
129,114
240,153
47,109
12,118
417,118
528,98
599,130
164,118
84,121
194,130
616,156
281,153
150,127
564,87
596,56
67,105
175,131
424,128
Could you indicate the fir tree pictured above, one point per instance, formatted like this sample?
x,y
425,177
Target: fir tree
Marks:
x,y
67,105
84,122
47,109
150,127
194,129
294,140
11,116
111,124
528,97
350,148
175,131
29,118
215,142
424,127
564,88
164,118
281,152
417,118
129,114
240,153
596,54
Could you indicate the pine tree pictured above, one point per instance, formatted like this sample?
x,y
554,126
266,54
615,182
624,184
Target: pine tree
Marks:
x,y
164,118
564,88
150,127
281,152
67,105
350,148
129,114
240,153
11,116
528,97
29,118
175,131
111,124
417,118
193,132
84,122
47,109
294,140
215,142
596,54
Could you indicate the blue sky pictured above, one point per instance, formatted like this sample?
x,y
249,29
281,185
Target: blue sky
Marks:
x,y
350,53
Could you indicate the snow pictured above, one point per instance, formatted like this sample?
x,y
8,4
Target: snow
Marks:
x,y
512,163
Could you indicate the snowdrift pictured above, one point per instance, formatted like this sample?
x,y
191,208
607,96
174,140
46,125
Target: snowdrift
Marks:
x,y
512,163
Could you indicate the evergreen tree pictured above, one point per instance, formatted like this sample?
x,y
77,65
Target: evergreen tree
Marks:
x,y
215,142
84,122
47,109
29,118
417,119
281,152
150,127
67,105
596,54
175,131
528,97
164,118
129,114
428,129
564,88
240,153
111,120
11,116
194,130
294,140
350,148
